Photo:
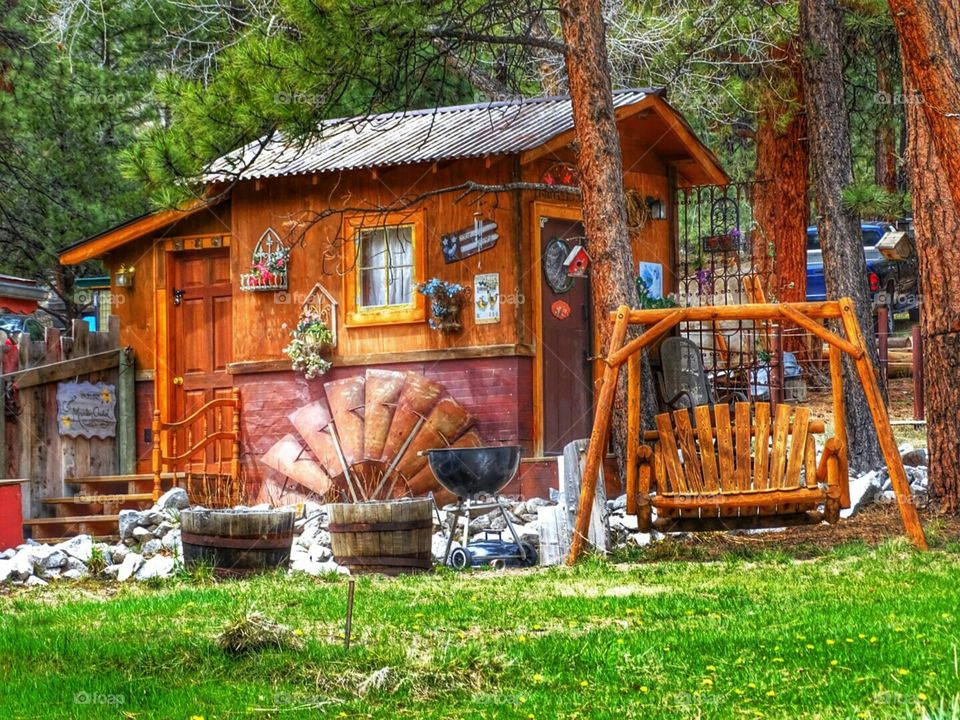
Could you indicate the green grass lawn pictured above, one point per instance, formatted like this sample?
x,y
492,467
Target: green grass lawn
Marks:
x,y
856,633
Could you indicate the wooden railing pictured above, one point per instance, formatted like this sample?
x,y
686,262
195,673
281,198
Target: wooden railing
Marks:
x,y
202,451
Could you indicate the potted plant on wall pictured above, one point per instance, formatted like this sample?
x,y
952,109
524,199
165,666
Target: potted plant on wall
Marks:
x,y
310,344
446,302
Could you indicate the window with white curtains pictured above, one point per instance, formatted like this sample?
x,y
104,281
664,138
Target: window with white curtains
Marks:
x,y
385,263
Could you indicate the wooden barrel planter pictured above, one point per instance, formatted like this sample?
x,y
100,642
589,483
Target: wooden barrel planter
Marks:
x,y
237,542
392,537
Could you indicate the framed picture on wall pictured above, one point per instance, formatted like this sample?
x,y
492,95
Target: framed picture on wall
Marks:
x,y
486,298
652,276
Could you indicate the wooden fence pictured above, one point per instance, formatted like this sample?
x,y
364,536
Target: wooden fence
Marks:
x,y
33,447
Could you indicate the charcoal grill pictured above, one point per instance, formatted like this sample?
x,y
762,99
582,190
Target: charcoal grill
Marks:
x,y
468,473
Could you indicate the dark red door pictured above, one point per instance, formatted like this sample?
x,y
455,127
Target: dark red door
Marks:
x,y
566,340
201,346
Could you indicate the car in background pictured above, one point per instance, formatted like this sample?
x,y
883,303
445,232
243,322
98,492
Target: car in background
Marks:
x,y
893,283
14,324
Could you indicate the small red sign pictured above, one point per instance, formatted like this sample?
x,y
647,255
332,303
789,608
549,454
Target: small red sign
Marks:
x,y
560,309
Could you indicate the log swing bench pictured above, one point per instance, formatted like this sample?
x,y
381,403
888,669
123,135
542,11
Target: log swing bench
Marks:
x,y
705,470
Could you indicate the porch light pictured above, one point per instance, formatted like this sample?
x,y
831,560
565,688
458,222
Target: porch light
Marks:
x,y
124,276
658,210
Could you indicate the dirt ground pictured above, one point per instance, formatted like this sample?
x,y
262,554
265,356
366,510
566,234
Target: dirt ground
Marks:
x,y
899,405
877,524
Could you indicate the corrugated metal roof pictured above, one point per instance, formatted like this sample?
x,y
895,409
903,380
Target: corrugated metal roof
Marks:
x,y
461,131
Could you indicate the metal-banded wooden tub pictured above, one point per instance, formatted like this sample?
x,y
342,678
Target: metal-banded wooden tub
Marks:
x,y
392,537
237,542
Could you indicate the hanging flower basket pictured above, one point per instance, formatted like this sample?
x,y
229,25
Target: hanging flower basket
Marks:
x,y
268,269
446,302
310,344
725,242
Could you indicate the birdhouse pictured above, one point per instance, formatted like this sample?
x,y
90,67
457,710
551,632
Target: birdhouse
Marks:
x,y
577,262
895,245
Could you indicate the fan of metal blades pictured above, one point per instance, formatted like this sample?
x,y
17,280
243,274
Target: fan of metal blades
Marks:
x,y
363,442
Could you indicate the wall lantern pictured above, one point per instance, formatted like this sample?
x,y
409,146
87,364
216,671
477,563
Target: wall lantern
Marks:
x,y
124,276
658,211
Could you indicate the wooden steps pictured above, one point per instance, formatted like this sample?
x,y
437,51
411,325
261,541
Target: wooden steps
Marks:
x,y
100,503
63,527
94,507
119,484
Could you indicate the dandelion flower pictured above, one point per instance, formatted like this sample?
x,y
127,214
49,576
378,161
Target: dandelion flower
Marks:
x,y
831,642
522,638
711,668
903,671
644,689
538,678
771,693
921,696
834,662
809,646
584,683
708,681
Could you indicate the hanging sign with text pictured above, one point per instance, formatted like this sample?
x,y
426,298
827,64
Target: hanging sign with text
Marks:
x,y
87,409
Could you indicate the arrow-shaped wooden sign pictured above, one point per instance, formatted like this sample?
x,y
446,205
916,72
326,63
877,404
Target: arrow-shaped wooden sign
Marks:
x,y
469,241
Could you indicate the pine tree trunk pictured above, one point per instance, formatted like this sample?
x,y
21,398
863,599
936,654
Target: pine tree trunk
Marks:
x,y
937,224
885,139
780,205
844,265
926,75
601,176
929,32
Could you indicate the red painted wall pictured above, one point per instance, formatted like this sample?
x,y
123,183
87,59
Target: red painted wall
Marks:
x,y
11,517
497,391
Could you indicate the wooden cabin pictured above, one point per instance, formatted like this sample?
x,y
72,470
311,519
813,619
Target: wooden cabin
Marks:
x,y
521,368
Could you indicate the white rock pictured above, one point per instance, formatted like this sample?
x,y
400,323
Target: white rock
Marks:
x,y
529,532
80,547
888,496
151,517
439,546
129,519
627,523
131,563
305,565
73,575
319,553
7,554
75,566
118,553
863,491
34,581
22,565
159,566
331,567
171,541
53,560
6,570
162,529
141,534
151,547
641,539
111,571
176,499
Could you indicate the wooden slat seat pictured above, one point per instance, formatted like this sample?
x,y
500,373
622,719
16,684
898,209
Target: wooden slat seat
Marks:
x,y
706,469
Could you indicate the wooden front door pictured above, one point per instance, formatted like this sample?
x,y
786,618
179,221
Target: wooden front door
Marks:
x,y
566,340
201,339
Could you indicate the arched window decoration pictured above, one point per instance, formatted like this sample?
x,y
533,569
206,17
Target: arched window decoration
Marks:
x,y
321,304
269,266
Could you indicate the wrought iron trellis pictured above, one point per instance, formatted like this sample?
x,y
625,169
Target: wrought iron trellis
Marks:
x,y
718,265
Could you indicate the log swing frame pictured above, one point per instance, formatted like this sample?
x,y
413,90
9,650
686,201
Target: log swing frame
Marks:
x,y
659,322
